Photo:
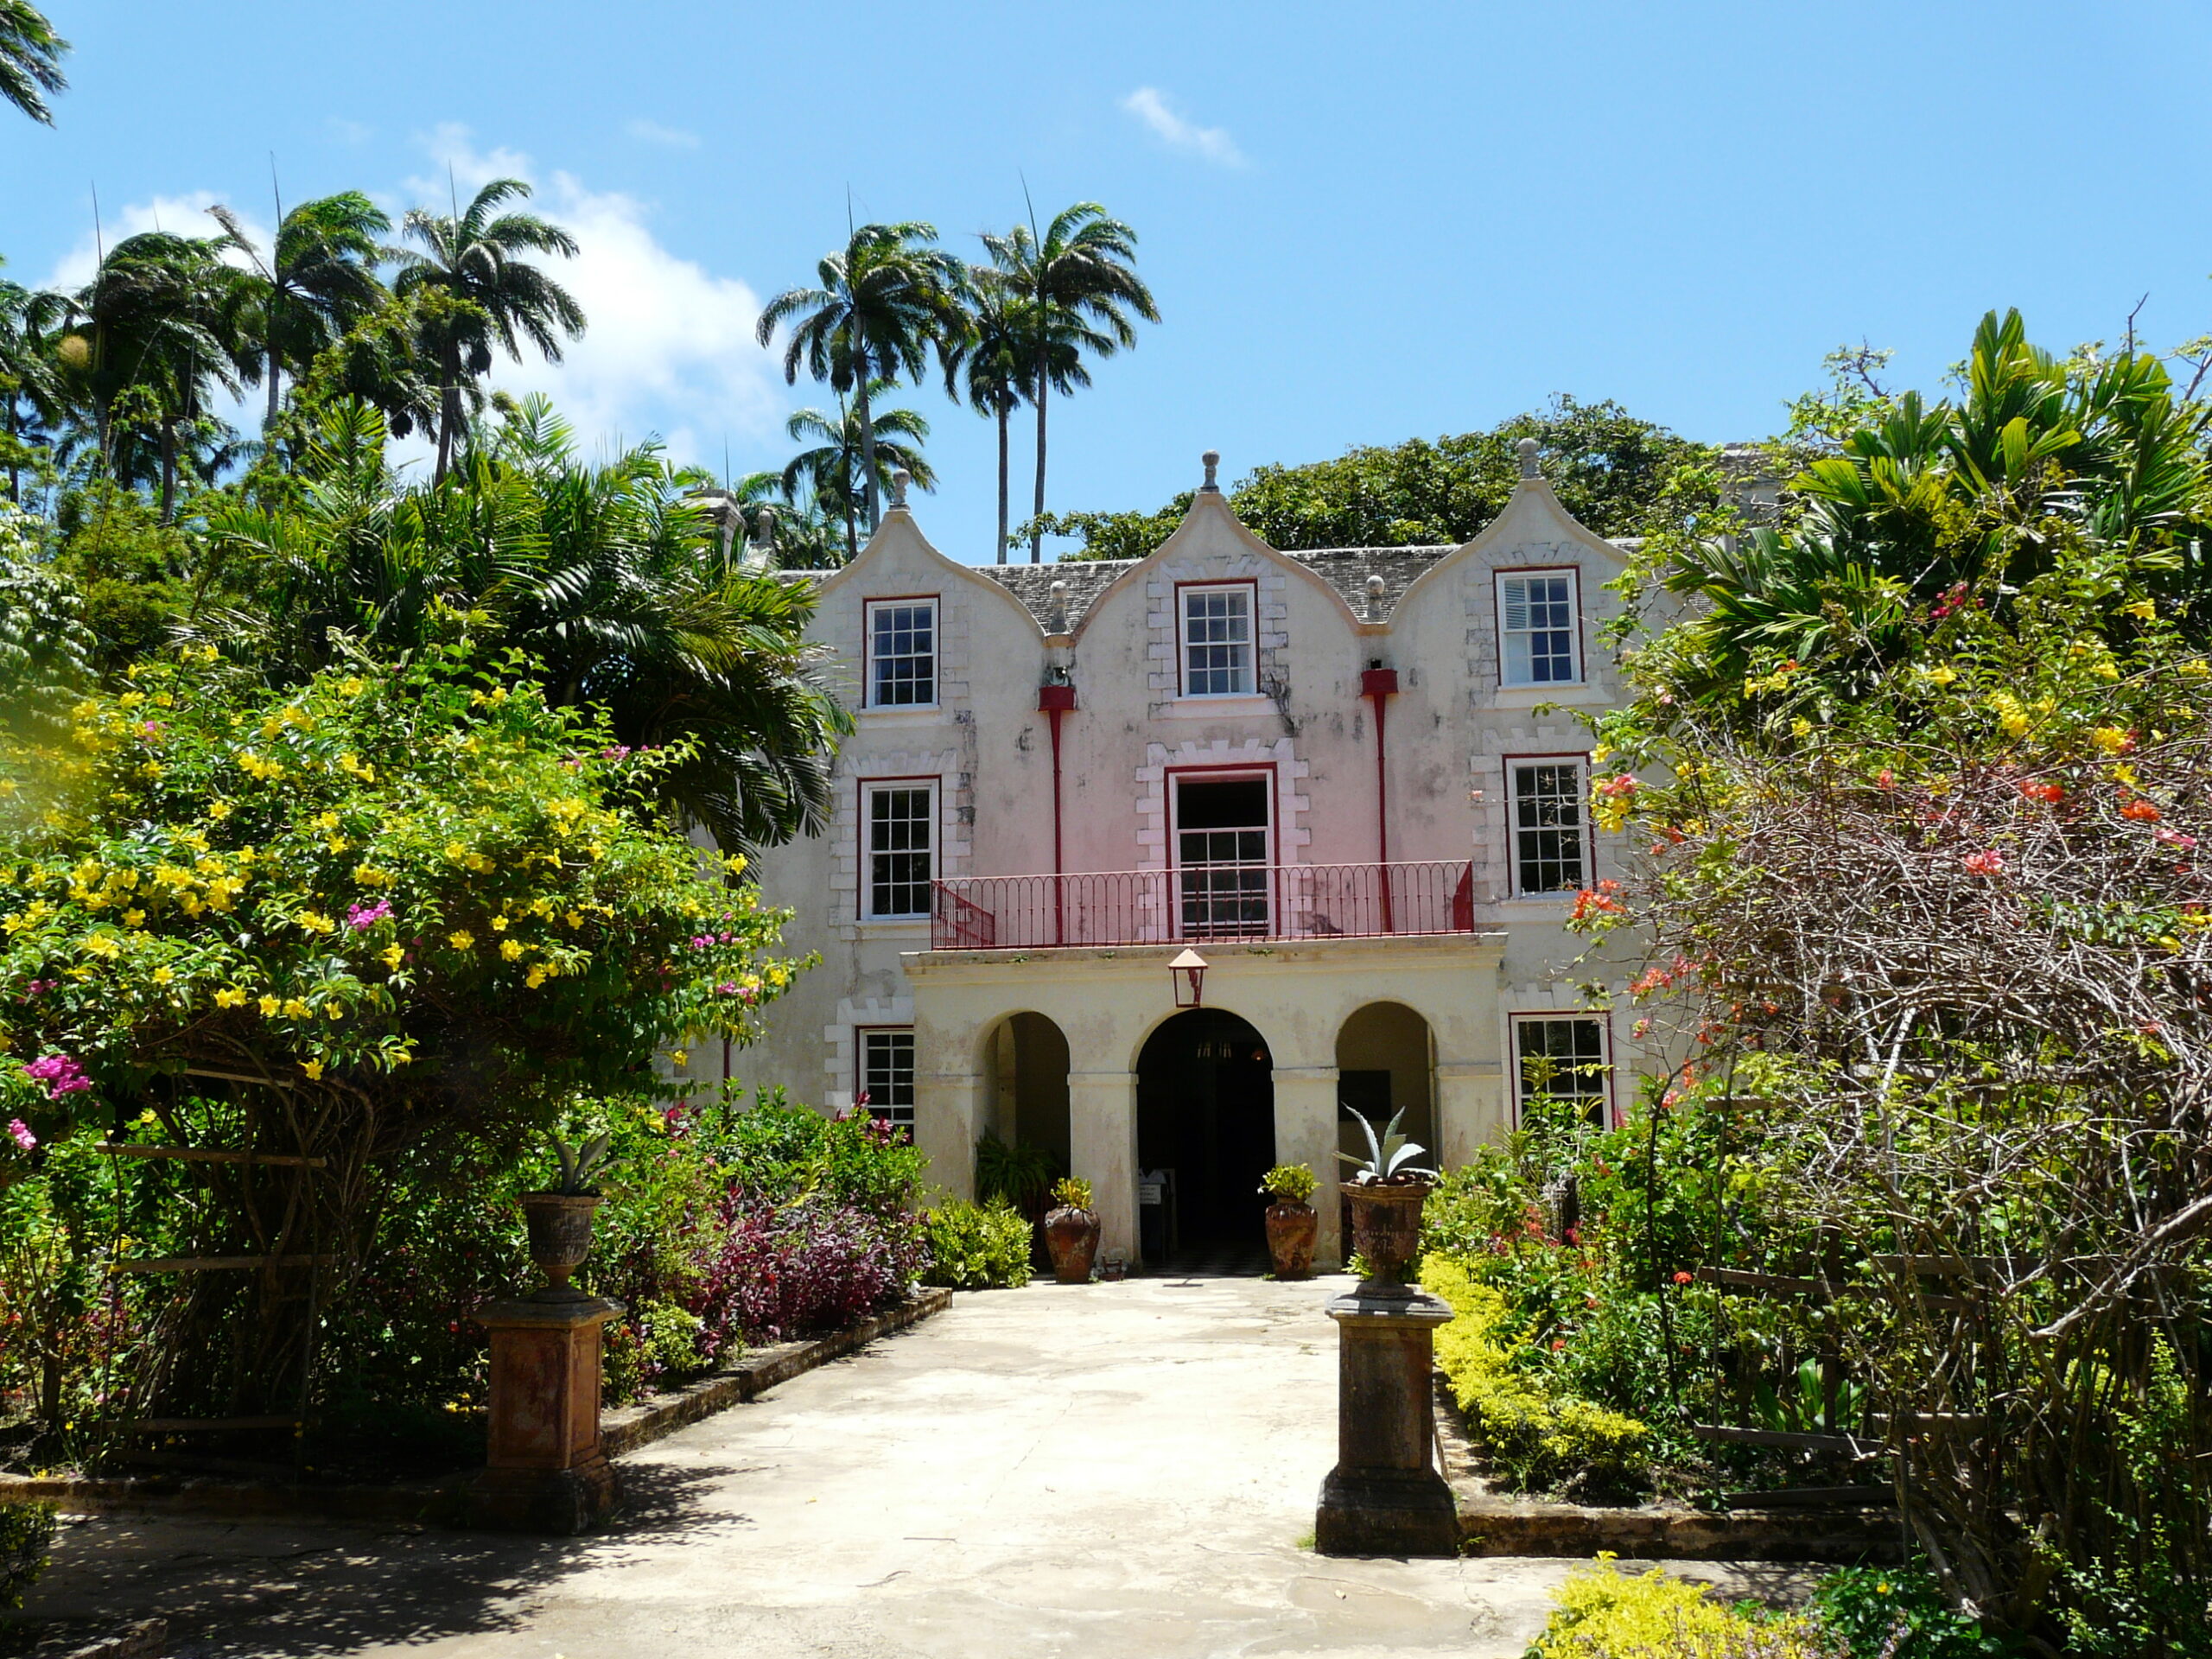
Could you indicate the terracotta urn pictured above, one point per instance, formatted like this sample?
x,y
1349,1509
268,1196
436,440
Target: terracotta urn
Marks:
x,y
560,1235
1071,1236
1292,1229
1386,1227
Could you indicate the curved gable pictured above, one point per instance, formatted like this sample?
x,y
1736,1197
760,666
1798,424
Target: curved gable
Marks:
x,y
900,537
1532,515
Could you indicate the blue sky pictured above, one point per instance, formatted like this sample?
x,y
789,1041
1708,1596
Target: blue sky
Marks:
x,y
1362,223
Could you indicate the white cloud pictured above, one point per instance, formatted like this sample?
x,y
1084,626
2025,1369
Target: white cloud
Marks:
x,y
184,215
653,133
669,346
1213,143
350,133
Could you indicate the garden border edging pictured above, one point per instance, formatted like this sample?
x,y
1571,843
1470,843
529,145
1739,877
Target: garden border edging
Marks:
x,y
444,1501
1491,1524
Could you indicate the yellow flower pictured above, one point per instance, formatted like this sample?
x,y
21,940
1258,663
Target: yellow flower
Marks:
x,y
455,852
1801,727
499,924
681,1057
230,997
2143,608
2110,739
269,1006
351,687
103,945
146,1118
1942,675
736,862
573,919
510,948
393,956
164,976
219,811
297,1009
535,978
314,1069
325,821
463,940
134,919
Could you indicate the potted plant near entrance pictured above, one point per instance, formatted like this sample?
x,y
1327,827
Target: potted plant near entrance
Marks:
x,y
1071,1232
1387,1192
560,1218
1292,1224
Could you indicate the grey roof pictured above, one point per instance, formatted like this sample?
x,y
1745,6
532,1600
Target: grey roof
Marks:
x,y
1344,568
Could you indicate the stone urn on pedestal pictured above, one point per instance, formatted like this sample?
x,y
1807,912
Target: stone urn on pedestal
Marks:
x,y
1385,1497
1292,1223
1071,1232
544,1469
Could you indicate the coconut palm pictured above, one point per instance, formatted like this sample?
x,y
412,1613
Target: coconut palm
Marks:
x,y
1078,280
30,381
882,302
993,363
319,280
855,455
475,256
31,58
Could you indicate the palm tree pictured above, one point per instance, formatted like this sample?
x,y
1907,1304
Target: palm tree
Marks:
x,y
882,301
994,362
474,257
1077,279
31,58
30,381
319,279
855,456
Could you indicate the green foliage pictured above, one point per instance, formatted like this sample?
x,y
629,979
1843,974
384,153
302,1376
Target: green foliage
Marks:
x,y
1612,471
1901,1613
976,1246
1022,1176
26,1534
1290,1183
129,570
1538,1435
1602,1613
1072,1192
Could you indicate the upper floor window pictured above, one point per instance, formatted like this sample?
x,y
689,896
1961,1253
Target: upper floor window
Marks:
x,y
901,653
1536,629
1547,825
1216,625
899,823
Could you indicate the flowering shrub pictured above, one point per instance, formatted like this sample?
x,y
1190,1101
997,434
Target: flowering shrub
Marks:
x,y
1602,1613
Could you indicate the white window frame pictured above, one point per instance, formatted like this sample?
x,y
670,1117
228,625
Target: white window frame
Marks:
x,y
1578,800
865,1038
875,659
870,789
1233,888
1507,635
1603,1096
1249,593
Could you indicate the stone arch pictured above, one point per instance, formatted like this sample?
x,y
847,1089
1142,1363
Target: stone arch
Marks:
x,y
1386,1063
1022,1058
1205,1134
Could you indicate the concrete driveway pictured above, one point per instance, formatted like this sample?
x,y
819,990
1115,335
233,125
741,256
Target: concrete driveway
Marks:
x,y
1114,1470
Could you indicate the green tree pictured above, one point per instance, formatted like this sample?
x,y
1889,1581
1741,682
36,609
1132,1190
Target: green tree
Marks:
x,y
318,281
850,461
31,58
1079,285
880,303
30,381
476,257
992,364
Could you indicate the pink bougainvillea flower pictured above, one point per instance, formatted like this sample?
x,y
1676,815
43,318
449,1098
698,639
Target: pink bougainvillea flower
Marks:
x,y
59,1073
1985,863
20,1133
361,918
2173,838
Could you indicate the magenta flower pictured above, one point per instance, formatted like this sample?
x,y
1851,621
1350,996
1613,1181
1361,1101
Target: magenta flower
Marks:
x,y
362,917
59,1073
19,1132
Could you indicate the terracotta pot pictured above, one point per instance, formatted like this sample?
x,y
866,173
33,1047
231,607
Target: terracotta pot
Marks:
x,y
1386,1227
560,1233
1072,1237
1292,1229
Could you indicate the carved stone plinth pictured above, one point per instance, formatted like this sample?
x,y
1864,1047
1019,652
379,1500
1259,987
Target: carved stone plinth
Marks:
x,y
544,1470
1384,1497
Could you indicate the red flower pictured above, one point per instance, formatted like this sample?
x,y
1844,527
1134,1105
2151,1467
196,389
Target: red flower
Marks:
x,y
1681,1278
1985,863
2049,794
2141,810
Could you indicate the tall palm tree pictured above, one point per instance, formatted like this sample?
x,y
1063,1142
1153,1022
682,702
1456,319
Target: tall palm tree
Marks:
x,y
30,381
994,362
319,280
475,256
855,455
31,58
1078,279
882,302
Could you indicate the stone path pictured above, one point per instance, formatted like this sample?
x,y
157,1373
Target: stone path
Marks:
x,y
1114,1470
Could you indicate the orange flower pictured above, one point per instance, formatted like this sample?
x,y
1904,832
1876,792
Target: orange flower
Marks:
x,y
2141,810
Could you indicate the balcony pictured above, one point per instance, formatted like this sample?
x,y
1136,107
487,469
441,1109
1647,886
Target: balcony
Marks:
x,y
1248,902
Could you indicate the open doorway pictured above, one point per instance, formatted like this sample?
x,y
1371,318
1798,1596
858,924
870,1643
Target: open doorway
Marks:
x,y
1207,1127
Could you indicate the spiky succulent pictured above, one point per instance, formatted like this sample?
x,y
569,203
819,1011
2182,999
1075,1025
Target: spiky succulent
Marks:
x,y
581,1165
1388,1154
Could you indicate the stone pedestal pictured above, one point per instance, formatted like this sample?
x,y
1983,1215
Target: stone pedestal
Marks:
x,y
1384,1497
544,1470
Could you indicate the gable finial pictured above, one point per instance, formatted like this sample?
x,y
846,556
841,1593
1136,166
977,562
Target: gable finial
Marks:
x,y
1527,448
1375,607
1212,460
899,480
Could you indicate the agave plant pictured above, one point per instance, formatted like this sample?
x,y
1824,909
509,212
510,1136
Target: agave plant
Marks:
x,y
1389,1154
581,1166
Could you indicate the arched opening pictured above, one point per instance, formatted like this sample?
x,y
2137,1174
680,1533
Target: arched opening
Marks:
x,y
1206,1135
1386,1064
1025,1146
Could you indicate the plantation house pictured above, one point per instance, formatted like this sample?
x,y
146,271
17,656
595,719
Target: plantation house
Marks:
x,y
1329,777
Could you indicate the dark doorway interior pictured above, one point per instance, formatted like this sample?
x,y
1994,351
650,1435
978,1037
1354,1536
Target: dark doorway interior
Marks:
x,y
1206,1111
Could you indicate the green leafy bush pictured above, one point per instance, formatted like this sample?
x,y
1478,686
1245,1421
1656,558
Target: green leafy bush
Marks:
x,y
26,1534
1538,1437
1289,1183
976,1246
1900,1614
1601,1613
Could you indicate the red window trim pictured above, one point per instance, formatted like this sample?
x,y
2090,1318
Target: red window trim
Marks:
x,y
1604,1019
1498,572
1182,645
867,647
861,787
1506,762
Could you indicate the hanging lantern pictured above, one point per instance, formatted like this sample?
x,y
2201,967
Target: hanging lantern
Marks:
x,y
1189,971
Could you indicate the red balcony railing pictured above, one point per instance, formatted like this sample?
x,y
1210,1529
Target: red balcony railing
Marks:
x,y
1205,901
